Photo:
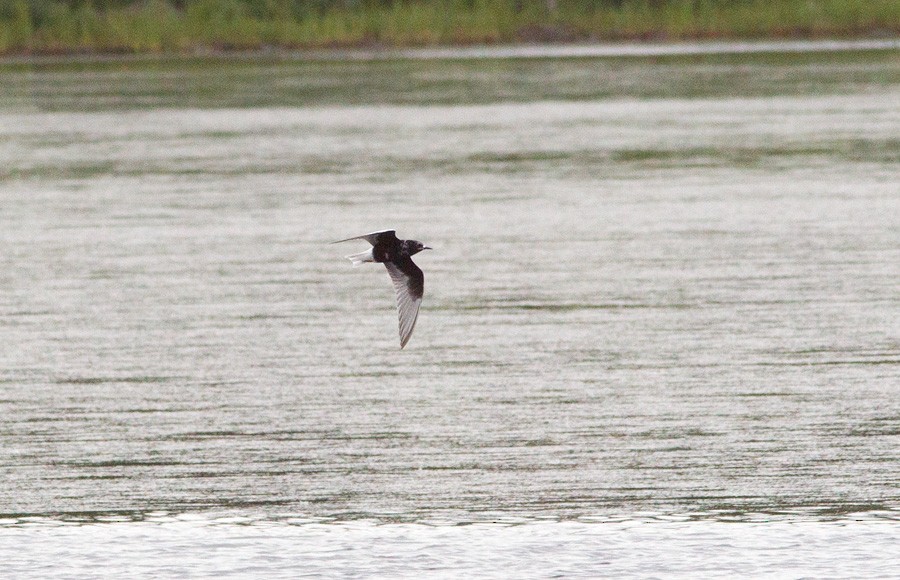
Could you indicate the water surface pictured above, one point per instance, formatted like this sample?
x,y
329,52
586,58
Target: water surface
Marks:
x,y
663,287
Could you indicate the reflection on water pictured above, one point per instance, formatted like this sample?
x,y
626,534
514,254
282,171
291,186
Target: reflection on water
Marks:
x,y
229,547
663,285
433,77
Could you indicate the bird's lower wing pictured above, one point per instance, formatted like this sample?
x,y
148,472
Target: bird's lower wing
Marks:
x,y
409,282
374,237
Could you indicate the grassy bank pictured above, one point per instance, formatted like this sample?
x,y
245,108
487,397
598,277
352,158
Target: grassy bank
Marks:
x,y
63,26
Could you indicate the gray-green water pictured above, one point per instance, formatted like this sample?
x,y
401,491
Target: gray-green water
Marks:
x,y
662,287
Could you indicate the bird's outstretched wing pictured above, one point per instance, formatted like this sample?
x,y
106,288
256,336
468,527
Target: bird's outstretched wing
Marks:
x,y
409,282
374,237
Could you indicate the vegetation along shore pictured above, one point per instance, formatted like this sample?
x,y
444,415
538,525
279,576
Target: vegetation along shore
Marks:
x,y
185,26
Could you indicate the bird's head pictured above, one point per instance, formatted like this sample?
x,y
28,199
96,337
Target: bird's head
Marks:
x,y
415,246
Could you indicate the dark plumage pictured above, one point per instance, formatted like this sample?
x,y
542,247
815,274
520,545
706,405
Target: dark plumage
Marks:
x,y
409,282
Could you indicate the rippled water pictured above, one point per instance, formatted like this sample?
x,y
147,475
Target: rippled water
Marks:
x,y
663,288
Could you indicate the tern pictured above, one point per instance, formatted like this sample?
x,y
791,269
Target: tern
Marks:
x,y
409,282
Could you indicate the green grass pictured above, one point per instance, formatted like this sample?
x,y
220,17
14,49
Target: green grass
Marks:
x,y
157,26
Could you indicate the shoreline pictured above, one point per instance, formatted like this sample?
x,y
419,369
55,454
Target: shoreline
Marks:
x,y
202,27
511,51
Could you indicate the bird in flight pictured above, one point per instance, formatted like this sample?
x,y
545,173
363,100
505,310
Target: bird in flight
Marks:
x,y
409,282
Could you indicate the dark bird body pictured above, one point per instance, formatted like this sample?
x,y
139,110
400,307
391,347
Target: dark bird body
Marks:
x,y
409,282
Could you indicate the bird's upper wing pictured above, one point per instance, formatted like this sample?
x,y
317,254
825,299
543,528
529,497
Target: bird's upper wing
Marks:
x,y
374,237
409,282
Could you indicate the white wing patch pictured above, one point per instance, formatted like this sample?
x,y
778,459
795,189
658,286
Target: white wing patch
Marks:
x,y
407,304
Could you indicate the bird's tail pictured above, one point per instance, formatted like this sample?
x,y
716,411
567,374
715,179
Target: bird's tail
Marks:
x,y
361,257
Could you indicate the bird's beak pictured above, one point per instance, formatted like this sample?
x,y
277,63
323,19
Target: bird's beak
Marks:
x,y
427,248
